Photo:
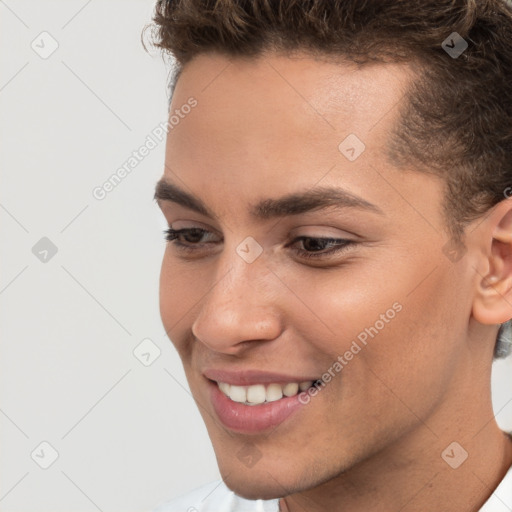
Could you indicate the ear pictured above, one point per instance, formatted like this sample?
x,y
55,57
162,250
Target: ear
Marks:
x,y
493,298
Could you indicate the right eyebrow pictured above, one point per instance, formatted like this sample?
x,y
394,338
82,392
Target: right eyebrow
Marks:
x,y
292,204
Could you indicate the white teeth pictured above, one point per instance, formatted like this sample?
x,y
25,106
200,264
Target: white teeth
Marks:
x,y
290,389
259,394
274,392
238,393
224,387
256,394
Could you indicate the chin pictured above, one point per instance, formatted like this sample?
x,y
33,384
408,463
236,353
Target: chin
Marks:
x,y
252,488
263,481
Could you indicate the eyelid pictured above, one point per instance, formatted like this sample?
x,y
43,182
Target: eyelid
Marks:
x,y
294,234
189,224
329,231
322,231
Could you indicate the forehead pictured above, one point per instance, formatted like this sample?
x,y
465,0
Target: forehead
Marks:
x,y
327,87
284,106
270,126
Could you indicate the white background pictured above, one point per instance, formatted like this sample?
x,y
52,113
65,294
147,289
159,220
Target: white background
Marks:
x,y
128,436
69,326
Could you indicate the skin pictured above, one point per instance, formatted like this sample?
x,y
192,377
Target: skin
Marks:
x,y
372,439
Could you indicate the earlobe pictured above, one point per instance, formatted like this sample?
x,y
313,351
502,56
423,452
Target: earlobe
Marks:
x,y
493,300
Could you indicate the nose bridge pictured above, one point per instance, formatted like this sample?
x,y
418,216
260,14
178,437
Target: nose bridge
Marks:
x,y
239,305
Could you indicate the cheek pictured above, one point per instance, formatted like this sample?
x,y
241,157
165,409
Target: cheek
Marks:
x,y
180,291
389,323
412,359
168,299
334,309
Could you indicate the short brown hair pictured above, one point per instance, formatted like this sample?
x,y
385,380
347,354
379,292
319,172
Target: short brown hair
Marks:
x,y
456,121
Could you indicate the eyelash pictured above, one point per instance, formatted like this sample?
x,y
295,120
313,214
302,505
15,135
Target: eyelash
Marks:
x,y
171,235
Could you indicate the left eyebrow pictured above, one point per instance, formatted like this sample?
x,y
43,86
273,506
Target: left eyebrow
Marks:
x,y
291,204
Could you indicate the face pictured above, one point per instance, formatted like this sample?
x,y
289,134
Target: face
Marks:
x,y
351,288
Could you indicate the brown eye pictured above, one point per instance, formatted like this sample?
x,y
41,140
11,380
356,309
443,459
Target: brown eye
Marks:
x,y
183,237
315,247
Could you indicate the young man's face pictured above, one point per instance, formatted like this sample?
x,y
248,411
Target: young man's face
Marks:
x,y
391,308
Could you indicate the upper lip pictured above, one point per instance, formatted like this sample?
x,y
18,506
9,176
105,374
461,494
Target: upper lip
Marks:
x,y
250,377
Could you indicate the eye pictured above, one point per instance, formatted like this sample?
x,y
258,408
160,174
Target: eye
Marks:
x,y
315,247
192,239
192,236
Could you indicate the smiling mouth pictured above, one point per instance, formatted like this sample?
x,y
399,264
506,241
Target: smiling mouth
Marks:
x,y
258,394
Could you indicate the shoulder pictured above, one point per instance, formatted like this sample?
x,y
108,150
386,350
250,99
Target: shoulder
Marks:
x,y
215,497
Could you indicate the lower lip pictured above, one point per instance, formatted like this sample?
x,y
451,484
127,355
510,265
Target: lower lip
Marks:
x,y
252,419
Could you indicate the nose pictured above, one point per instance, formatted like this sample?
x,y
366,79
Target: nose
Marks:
x,y
240,308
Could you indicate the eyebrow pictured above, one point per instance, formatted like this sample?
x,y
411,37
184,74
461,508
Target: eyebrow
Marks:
x,y
291,204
